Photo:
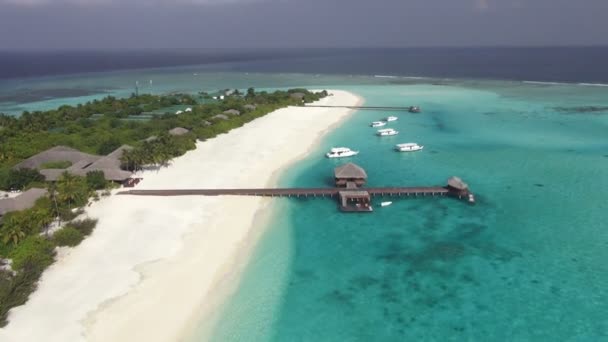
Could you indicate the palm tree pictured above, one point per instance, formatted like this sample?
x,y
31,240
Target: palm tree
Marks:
x,y
72,189
12,234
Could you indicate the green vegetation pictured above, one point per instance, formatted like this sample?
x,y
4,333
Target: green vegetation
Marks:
x,y
35,250
96,180
62,164
85,226
99,127
19,179
68,236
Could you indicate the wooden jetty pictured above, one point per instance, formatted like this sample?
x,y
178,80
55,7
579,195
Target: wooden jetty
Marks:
x,y
411,109
349,190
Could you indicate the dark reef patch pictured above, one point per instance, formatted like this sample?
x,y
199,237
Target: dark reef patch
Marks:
x,y
582,110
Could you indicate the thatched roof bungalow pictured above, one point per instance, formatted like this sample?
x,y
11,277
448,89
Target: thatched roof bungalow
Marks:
x,y
57,154
220,117
232,112
457,184
177,131
350,173
24,201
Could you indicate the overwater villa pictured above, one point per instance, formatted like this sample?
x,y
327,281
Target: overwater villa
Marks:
x,y
351,176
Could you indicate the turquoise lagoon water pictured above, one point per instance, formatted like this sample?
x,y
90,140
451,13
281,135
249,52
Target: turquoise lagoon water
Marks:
x,y
528,262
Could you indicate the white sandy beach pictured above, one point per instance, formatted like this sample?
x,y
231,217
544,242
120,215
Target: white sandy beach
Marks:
x,y
153,262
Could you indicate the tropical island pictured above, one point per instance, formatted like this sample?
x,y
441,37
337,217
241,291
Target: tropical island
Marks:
x,y
54,163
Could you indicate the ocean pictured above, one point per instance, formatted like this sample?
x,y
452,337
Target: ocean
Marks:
x,y
529,136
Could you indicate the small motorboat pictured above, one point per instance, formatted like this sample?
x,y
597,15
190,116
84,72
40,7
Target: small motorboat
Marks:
x,y
387,132
378,124
414,109
385,204
408,147
341,152
392,118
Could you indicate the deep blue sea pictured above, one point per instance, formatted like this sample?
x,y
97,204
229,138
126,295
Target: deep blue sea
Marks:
x,y
526,128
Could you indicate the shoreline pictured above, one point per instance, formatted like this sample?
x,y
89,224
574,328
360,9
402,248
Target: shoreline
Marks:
x,y
225,287
102,289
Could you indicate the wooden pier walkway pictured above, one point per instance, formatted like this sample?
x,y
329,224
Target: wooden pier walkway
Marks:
x,y
402,109
293,192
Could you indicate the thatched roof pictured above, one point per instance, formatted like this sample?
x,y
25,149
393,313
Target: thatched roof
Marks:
x,y
207,123
457,183
250,106
232,112
24,201
350,170
178,131
52,175
110,165
55,154
220,116
151,138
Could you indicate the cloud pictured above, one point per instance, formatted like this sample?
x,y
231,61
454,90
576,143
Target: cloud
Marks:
x,y
482,5
86,3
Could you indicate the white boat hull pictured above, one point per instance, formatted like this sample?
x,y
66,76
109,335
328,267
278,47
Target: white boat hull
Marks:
x,y
409,149
341,155
386,134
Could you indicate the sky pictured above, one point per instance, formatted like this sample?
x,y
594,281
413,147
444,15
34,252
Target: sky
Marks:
x,y
134,24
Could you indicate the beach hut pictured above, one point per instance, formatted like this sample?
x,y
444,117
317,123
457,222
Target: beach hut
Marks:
x,y
350,175
220,117
250,106
177,131
232,112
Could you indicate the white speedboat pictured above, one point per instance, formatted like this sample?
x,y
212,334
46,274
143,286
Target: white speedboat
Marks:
x,y
392,118
408,147
387,132
378,124
341,152
385,204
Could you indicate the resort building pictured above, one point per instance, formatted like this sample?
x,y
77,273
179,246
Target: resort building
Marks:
x,y
220,117
25,200
81,163
232,112
177,131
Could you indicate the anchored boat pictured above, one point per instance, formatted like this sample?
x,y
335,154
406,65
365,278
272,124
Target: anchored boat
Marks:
x,y
387,132
392,118
378,124
408,147
341,152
